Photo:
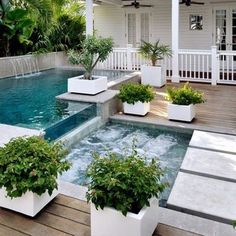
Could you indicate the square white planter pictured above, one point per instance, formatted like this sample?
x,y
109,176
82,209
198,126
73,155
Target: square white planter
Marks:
x,y
110,222
153,75
91,87
181,112
138,108
29,203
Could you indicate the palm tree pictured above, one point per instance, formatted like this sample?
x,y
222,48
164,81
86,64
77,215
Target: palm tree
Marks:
x,y
155,51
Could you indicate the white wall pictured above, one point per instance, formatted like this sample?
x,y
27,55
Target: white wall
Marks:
x,y
109,20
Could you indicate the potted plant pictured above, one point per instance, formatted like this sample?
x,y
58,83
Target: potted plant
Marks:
x,y
182,101
123,192
136,98
154,74
29,168
94,50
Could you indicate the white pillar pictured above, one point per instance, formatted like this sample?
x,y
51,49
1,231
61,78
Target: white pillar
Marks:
x,y
215,72
175,41
89,17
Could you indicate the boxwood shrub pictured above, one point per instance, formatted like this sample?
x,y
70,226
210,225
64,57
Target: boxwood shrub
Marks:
x,y
124,182
184,95
132,93
31,164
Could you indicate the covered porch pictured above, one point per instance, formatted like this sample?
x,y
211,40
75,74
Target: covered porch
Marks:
x,y
202,36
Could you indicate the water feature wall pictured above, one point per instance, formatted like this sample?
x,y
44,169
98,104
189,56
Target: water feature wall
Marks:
x,y
28,64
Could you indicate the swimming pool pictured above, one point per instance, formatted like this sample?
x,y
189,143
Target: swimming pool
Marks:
x,y
29,101
168,146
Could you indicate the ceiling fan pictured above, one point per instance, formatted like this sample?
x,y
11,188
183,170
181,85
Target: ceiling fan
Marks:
x,y
189,2
136,4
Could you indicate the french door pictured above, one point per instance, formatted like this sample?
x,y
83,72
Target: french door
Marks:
x,y
225,40
137,27
225,28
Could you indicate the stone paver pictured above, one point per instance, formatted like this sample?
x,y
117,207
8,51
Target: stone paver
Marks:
x,y
98,98
214,141
7,132
207,197
210,163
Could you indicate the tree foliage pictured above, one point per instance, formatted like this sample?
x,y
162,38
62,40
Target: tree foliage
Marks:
x,y
154,51
49,25
94,50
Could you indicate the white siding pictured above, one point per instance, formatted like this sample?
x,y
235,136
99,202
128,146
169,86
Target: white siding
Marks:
x,y
109,20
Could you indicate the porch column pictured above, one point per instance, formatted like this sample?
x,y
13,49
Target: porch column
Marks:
x,y
175,41
89,17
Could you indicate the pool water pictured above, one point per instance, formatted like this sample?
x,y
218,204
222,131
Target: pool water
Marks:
x,y
168,147
30,101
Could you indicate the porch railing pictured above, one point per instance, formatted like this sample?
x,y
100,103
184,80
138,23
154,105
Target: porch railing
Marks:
x,y
227,67
209,66
129,59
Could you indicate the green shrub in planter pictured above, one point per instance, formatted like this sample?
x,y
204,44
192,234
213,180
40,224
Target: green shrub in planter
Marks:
x,y
31,164
184,95
124,182
132,93
234,224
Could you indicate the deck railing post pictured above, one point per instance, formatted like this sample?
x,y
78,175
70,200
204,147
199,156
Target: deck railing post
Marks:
x,y
129,57
214,66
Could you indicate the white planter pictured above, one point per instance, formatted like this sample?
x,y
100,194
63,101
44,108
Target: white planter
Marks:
x,y
110,222
29,203
181,112
91,87
137,108
153,75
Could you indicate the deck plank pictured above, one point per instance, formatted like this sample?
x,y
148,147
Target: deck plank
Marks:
x,y
73,203
26,225
69,213
63,224
10,232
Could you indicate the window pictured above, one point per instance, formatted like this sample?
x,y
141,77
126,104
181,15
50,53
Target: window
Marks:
x,y
196,22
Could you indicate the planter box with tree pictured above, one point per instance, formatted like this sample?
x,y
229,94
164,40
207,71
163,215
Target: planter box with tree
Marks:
x,y
29,168
136,98
124,192
94,50
182,103
154,74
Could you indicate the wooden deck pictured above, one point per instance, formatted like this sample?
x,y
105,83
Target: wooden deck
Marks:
x,y
63,217
218,114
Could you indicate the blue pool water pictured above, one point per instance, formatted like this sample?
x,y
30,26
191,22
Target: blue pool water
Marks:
x,y
30,101
167,146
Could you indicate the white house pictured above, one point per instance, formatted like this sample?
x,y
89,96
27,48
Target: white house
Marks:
x,y
202,36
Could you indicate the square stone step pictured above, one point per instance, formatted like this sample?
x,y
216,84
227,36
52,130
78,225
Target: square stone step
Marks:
x,y
9,132
205,197
214,141
210,163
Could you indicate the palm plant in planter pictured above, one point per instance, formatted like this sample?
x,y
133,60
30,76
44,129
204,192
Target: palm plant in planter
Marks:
x,y
182,102
136,98
154,74
124,191
94,50
29,168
